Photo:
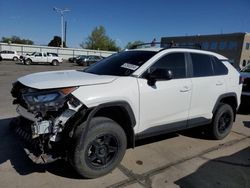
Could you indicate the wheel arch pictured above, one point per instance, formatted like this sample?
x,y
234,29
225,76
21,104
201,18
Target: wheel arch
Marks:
x,y
227,98
120,112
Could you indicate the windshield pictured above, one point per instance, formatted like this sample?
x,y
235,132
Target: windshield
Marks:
x,y
121,64
246,69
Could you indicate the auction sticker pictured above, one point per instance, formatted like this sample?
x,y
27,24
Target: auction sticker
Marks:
x,y
129,66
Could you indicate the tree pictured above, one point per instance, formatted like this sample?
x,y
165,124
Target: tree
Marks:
x,y
56,42
133,44
98,40
16,40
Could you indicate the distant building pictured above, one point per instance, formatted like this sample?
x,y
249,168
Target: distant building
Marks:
x,y
234,46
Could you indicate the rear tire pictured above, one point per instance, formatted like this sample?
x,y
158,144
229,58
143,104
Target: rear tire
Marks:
x,y
103,148
222,122
15,58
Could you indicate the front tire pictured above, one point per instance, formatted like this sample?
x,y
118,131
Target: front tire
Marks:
x,y
55,63
27,61
103,148
222,122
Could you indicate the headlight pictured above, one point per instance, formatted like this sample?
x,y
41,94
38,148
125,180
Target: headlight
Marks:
x,y
48,97
42,98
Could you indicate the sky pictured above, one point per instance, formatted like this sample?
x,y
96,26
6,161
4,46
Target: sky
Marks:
x,y
124,20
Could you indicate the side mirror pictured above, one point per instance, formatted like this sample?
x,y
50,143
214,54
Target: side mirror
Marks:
x,y
158,74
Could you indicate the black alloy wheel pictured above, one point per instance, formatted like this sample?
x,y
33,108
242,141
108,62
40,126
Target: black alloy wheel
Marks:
x,y
222,121
102,151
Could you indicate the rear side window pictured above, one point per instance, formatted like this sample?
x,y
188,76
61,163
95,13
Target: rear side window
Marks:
x,y
219,67
202,65
174,62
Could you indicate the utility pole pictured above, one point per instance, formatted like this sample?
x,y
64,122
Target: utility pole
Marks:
x,y
61,12
65,33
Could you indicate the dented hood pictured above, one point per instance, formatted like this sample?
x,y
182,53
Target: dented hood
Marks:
x,y
61,79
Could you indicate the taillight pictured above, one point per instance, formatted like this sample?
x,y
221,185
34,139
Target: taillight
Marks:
x,y
241,80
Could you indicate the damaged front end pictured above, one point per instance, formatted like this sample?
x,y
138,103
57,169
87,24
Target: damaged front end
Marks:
x,y
44,119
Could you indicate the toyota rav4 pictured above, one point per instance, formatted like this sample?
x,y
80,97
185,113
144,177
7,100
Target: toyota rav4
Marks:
x,y
90,117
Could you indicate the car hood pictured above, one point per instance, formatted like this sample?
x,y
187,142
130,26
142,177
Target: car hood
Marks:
x,y
61,79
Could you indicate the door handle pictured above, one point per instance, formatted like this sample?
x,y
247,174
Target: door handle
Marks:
x,y
219,83
185,89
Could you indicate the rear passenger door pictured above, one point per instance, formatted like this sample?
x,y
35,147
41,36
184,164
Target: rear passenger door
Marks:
x,y
208,84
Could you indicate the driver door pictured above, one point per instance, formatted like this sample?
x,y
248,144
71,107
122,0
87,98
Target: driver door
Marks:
x,y
165,105
37,57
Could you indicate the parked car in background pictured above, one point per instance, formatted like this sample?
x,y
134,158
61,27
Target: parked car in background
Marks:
x,y
42,57
73,59
9,55
245,74
88,60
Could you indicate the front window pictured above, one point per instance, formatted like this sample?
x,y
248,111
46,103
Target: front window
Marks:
x,y
174,62
38,55
121,64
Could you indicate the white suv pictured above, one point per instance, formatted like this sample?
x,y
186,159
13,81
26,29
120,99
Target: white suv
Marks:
x,y
9,55
90,117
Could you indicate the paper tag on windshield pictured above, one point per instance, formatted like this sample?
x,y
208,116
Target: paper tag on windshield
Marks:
x,y
130,66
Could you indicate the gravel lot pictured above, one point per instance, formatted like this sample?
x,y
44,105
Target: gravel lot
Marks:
x,y
186,159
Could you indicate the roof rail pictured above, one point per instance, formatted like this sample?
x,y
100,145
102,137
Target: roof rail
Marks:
x,y
167,45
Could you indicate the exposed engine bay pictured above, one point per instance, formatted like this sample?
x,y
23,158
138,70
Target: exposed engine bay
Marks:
x,y
44,120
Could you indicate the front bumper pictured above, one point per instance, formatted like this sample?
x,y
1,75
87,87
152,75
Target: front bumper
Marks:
x,y
32,146
43,139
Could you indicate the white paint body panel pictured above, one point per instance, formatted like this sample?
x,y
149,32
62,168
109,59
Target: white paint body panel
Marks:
x,y
205,92
122,89
61,79
9,56
166,102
